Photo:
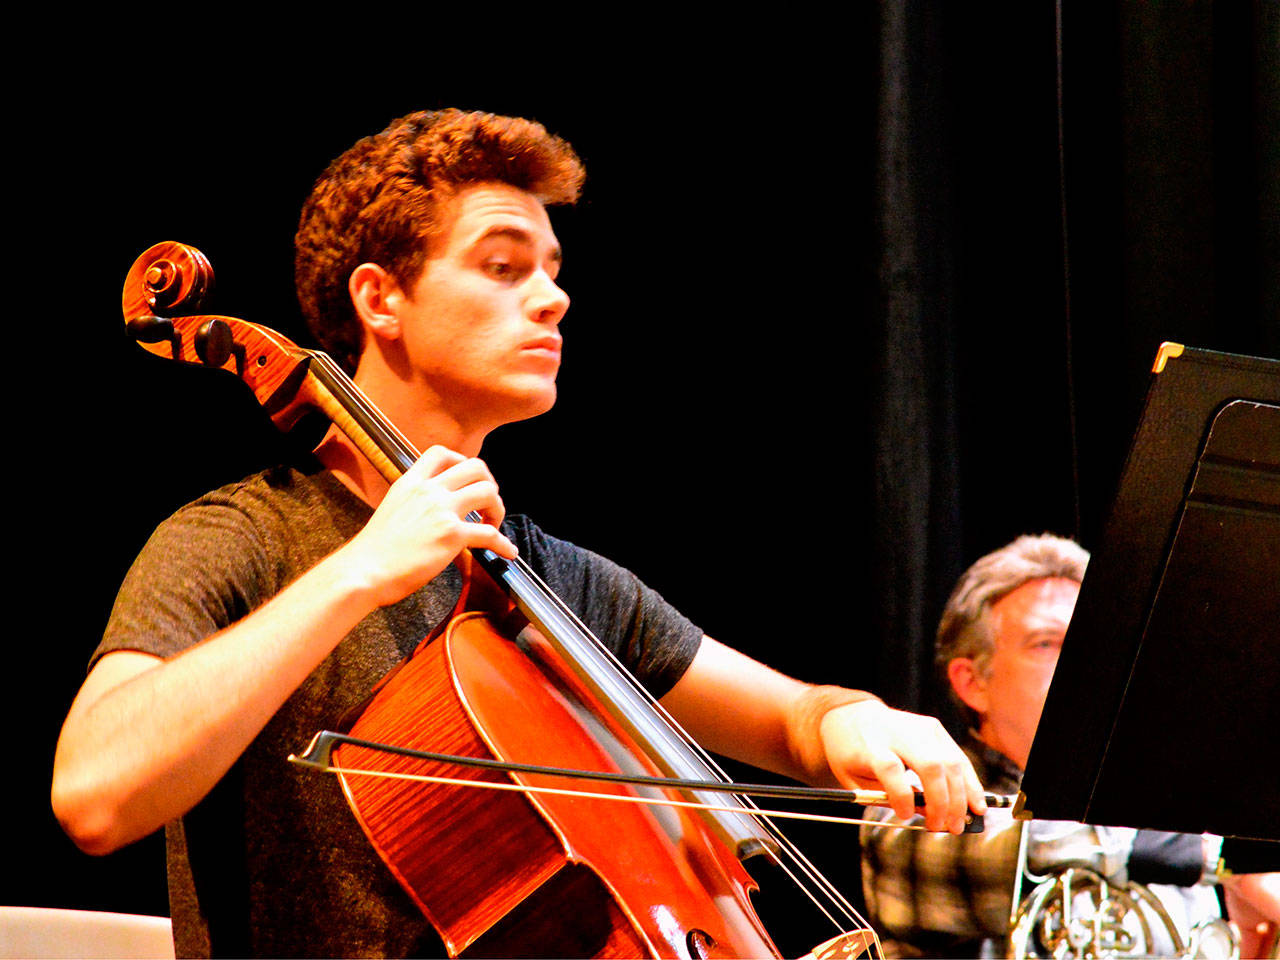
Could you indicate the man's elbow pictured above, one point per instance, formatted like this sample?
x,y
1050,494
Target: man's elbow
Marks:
x,y
87,819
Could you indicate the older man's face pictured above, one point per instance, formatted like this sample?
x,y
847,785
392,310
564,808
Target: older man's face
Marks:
x,y
1028,626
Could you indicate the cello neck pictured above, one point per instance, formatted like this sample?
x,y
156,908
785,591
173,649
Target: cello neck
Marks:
x,y
345,404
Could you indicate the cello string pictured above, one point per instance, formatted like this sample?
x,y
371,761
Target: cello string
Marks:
x,y
382,431
849,915
811,873
816,876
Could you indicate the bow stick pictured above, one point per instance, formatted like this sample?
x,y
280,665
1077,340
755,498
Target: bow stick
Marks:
x,y
318,756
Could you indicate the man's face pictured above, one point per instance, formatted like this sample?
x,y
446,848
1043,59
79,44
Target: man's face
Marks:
x,y
481,324
1028,625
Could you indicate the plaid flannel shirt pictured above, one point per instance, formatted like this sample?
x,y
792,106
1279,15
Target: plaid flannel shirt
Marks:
x,y
934,894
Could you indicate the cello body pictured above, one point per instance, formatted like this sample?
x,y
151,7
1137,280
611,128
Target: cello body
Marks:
x,y
507,874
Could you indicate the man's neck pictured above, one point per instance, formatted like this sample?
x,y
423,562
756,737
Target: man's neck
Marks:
x,y
422,420
345,461
984,736
341,457
411,399
994,768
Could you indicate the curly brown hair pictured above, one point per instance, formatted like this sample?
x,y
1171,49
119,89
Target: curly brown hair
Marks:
x,y
382,202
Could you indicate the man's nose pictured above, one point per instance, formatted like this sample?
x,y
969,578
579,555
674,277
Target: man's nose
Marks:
x,y
547,302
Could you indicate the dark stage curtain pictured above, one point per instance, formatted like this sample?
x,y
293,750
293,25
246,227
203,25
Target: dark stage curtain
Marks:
x,y
1056,192
966,315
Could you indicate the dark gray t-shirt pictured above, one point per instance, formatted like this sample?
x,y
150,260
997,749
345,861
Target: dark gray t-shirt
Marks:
x,y
272,862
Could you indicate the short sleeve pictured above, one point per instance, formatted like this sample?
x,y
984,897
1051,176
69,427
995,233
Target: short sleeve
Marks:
x,y
654,640
202,569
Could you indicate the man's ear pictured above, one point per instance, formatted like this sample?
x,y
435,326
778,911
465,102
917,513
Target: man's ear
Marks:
x,y
968,683
376,296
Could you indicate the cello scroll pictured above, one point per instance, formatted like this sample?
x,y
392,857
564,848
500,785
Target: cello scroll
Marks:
x,y
287,380
171,277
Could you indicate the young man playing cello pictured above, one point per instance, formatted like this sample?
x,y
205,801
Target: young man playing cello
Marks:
x,y
426,263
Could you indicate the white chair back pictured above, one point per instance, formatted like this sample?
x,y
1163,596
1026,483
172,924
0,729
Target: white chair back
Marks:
x,y
47,933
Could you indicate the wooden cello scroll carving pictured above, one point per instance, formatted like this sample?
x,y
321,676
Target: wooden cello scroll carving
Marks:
x,y
627,882
287,380
170,279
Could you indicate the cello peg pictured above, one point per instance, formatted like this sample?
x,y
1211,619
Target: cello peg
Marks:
x,y
150,329
214,342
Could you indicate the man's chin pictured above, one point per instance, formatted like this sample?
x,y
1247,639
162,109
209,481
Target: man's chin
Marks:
x,y
534,403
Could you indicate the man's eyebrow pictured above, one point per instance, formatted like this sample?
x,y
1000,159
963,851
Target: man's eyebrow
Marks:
x,y
518,234
1041,628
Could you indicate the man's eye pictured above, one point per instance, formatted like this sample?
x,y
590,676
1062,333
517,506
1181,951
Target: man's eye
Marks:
x,y
502,269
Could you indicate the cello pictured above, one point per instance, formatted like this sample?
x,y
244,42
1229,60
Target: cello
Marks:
x,y
513,661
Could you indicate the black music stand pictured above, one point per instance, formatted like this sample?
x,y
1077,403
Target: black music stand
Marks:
x,y
1164,711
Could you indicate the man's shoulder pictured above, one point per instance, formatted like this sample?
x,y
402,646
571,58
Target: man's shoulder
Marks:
x,y
276,493
278,483
275,519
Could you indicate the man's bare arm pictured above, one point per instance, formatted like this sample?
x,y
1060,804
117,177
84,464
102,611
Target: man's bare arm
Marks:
x,y
146,739
823,735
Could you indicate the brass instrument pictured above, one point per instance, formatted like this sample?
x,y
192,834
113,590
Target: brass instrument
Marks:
x,y
1076,912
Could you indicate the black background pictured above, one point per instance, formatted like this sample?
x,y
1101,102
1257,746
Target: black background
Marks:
x,y
728,269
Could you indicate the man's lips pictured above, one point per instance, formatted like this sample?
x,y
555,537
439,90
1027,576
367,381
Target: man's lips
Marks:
x,y
549,346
